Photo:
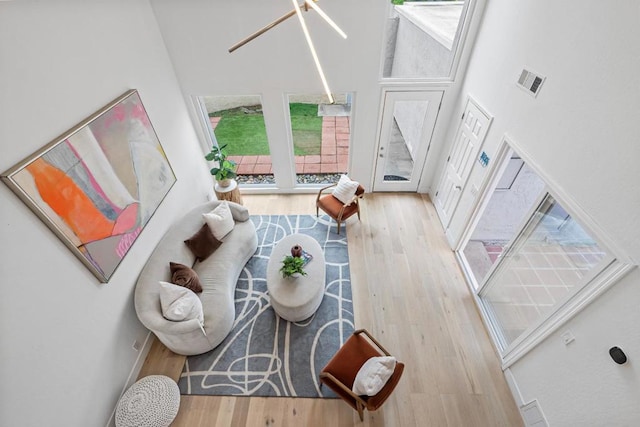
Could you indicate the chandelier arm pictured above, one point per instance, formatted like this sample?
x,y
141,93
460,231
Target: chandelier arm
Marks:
x,y
313,52
324,16
264,29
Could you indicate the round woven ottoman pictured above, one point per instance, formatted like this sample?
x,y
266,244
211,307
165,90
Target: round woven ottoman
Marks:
x,y
152,401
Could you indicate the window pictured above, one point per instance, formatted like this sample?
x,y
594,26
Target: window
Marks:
x,y
238,123
501,219
321,135
551,258
423,39
533,258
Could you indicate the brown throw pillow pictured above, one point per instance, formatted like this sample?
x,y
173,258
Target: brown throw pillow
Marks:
x,y
203,243
184,276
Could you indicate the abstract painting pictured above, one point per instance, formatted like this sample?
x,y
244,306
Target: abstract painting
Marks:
x,y
97,185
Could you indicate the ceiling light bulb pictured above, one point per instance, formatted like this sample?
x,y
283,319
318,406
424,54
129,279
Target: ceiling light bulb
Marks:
x,y
313,51
326,18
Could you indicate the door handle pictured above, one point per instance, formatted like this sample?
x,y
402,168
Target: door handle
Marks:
x,y
458,187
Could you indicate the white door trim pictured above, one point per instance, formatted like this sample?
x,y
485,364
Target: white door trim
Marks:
x,y
451,187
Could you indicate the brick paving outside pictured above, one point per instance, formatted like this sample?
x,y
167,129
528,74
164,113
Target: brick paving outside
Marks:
x,y
333,158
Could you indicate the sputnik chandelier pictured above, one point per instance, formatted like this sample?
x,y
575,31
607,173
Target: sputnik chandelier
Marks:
x,y
297,10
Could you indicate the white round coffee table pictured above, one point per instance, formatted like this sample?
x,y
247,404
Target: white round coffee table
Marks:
x,y
296,299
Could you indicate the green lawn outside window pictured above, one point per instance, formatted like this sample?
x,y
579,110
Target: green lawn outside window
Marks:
x,y
245,132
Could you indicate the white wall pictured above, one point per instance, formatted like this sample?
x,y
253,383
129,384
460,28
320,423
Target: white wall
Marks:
x,y
581,131
198,34
65,339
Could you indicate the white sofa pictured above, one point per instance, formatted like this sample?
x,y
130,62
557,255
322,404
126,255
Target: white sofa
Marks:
x,y
218,274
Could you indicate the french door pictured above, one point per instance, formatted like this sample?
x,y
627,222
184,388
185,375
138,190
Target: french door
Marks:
x,y
408,120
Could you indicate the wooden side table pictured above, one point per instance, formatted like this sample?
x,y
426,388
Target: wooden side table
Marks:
x,y
230,193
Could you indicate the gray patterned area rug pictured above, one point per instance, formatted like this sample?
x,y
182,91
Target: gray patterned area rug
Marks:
x,y
265,355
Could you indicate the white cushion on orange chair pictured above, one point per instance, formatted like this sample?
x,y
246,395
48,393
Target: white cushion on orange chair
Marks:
x,y
373,375
345,190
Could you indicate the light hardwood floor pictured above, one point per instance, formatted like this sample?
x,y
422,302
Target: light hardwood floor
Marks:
x,y
409,292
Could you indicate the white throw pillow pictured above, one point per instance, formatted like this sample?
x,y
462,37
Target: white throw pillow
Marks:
x,y
373,375
345,190
220,220
179,303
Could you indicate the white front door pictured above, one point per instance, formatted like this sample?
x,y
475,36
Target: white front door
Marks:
x,y
408,120
469,137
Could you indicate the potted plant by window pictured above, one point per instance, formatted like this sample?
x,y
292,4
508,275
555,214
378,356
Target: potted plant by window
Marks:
x,y
226,169
292,266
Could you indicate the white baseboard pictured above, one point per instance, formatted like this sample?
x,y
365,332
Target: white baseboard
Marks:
x,y
513,386
532,415
530,412
133,374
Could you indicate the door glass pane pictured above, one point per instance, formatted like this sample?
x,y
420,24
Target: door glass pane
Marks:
x,y
321,134
404,139
422,38
515,195
546,263
238,122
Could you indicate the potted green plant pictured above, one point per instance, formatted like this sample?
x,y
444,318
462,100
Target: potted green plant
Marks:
x,y
226,169
292,266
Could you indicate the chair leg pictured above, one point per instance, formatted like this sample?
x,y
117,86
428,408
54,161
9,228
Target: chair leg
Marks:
x,y
360,410
338,226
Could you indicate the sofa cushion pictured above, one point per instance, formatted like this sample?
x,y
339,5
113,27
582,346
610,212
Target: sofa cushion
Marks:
x,y
373,375
179,303
203,243
220,220
182,275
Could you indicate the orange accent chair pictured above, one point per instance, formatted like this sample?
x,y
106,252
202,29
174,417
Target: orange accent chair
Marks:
x,y
335,208
340,372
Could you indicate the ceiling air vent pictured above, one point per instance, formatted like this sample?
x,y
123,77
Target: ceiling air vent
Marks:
x,y
530,82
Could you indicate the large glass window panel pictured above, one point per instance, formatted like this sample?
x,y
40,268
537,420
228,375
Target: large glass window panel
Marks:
x,y
551,259
516,194
422,39
321,134
238,123
405,139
